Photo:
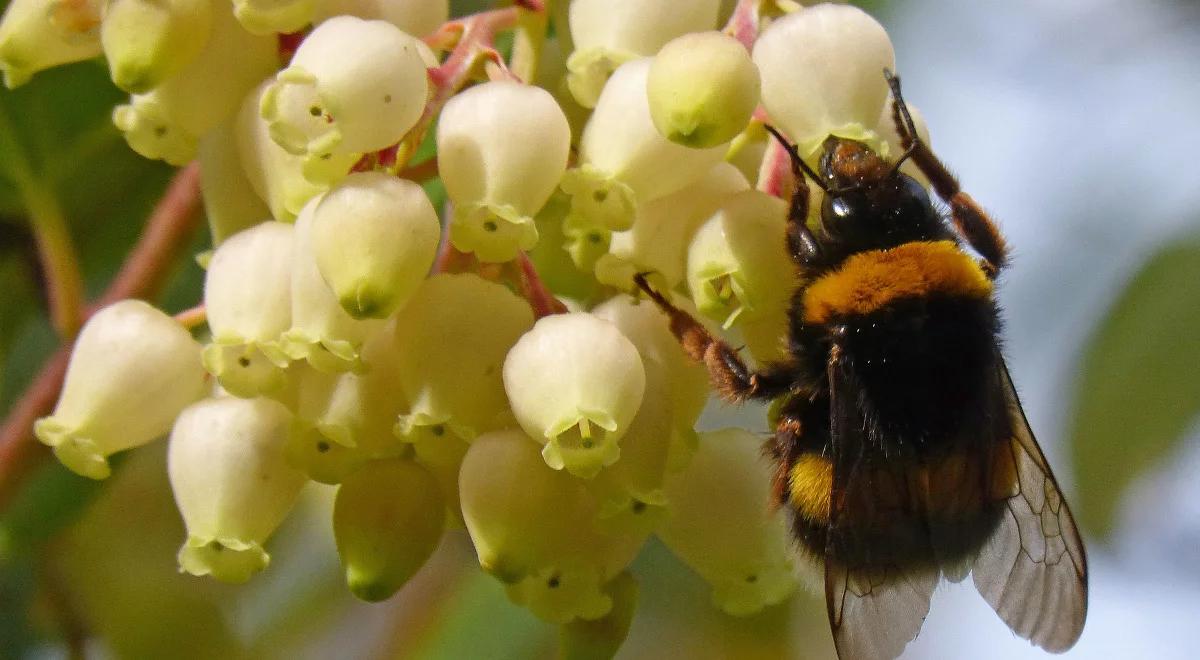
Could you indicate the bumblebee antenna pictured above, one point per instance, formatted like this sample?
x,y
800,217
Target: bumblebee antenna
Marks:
x,y
798,164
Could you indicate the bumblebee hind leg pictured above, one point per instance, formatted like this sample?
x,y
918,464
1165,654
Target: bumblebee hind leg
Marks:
x,y
730,376
969,218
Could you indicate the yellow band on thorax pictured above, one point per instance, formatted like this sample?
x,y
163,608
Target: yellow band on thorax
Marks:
x,y
869,281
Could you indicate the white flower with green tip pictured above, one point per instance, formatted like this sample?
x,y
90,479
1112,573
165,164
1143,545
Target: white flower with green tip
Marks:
x,y
722,527
132,369
502,150
353,86
822,73
247,295
232,483
387,519
608,33
737,261
36,35
451,340
702,88
623,159
145,41
374,237
575,383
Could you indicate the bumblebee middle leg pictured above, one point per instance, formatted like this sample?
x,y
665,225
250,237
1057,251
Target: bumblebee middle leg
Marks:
x,y
731,377
969,218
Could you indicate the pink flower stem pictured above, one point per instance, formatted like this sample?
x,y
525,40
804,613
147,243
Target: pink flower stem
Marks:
x,y
743,23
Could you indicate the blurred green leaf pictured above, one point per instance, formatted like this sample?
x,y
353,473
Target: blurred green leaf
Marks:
x,y
58,136
1139,387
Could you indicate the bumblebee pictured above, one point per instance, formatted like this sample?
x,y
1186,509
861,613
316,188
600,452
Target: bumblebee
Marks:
x,y
901,449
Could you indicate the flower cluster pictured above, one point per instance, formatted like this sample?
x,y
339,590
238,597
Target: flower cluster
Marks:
x,y
489,363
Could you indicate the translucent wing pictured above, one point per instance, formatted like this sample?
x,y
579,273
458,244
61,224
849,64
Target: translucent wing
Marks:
x,y
875,608
1033,570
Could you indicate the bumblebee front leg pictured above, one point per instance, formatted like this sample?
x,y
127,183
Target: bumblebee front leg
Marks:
x,y
802,245
733,380
969,218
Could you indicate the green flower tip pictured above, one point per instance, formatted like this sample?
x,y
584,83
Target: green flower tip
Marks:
x,y
228,560
582,450
370,586
756,588
79,455
246,370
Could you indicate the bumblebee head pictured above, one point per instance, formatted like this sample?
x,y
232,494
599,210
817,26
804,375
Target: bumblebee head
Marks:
x,y
869,203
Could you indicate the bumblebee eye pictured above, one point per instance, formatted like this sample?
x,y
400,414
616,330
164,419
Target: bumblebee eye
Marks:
x,y
841,207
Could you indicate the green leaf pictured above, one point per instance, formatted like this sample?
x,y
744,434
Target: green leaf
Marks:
x,y
1139,389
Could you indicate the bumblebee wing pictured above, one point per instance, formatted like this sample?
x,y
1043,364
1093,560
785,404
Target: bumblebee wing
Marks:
x,y
1033,570
875,608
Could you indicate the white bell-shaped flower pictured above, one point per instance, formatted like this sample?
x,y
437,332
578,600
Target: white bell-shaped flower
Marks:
x,y
353,86
608,33
822,73
387,519
36,35
145,41
575,383
374,237
536,529
737,261
232,483
702,88
247,294
502,149
624,160
415,17
268,17
358,410
132,370
278,177
451,341
167,120
322,333
663,228
723,527
230,203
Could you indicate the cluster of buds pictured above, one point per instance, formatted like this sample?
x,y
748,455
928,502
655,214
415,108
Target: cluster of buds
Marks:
x,y
487,364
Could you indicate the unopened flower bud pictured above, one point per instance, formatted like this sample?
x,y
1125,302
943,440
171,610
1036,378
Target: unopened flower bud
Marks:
x,y
451,340
822,73
658,241
624,160
415,17
247,294
322,332
722,526
702,89
575,383
387,519
145,41
266,17
353,86
502,149
608,33
738,259
374,237
132,370
40,34
231,483
166,121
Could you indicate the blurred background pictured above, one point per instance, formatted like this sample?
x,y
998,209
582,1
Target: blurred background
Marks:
x,y
1071,121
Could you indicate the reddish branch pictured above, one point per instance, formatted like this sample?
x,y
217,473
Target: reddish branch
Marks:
x,y
167,233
